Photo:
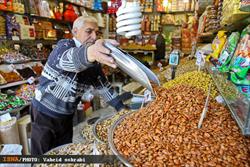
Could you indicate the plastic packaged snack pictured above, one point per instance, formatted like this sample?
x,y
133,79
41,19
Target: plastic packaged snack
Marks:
x,y
2,80
217,46
38,69
10,102
240,64
26,92
228,52
245,5
9,73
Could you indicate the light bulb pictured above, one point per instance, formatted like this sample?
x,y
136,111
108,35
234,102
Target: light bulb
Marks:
x,y
165,3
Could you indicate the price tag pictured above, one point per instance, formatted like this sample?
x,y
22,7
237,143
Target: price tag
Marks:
x,y
200,59
6,117
17,46
39,46
147,96
31,80
54,46
15,38
174,59
219,99
160,66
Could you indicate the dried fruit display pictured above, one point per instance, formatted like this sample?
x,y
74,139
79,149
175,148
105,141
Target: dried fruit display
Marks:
x,y
2,80
165,133
197,79
38,69
102,127
26,72
10,76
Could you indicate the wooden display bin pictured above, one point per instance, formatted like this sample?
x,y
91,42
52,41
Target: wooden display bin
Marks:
x,y
23,127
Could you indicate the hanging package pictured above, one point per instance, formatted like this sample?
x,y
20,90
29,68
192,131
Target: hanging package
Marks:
x,y
228,52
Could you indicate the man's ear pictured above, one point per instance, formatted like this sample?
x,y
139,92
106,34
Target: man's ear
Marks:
x,y
74,31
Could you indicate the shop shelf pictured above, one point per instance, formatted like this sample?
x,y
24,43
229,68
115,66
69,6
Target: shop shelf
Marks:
x,y
12,84
179,12
49,19
36,17
11,12
15,110
206,34
79,5
177,25
237,103
30,42
9,85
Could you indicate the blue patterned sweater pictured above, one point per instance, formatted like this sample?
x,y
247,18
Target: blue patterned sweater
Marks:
x,y
65,77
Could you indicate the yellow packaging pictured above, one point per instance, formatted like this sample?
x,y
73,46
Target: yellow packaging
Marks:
x,y
218,44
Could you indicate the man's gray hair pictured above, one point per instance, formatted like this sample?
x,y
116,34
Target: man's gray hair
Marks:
x,y
79,22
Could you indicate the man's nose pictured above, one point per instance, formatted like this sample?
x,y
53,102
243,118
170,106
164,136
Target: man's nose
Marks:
x,y
93,35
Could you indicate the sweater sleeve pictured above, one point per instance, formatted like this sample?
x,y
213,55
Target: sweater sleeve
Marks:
x,y
74,59
101,84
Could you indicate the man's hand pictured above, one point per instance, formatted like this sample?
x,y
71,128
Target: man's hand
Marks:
x,y
97,52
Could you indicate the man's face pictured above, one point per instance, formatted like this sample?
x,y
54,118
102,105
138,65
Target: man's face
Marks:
x,y
87,33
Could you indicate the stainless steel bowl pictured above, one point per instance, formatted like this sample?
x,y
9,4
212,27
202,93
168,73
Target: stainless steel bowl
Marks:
x,y
94,127
56,149
111,140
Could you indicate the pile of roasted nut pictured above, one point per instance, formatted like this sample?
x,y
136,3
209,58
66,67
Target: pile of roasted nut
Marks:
x,y
71,149
74,149
103,126
64,165
87,133
165,133
197,79
103,149
184,67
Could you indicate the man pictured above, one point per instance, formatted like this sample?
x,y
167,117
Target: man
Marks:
x,y
160,46
72,67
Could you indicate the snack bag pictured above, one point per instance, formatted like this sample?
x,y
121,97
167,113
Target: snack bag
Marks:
x,y
245,5
240,64
217,46
228,52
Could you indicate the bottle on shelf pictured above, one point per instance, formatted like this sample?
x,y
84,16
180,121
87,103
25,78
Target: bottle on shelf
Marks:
x,y
152,23
147,23
3,4
9,5
143,24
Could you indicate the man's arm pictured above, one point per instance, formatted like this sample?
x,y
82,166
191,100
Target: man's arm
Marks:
x,y
75,59
78,59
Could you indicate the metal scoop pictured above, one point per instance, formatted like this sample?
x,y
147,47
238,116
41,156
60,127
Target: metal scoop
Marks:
x,y
133,67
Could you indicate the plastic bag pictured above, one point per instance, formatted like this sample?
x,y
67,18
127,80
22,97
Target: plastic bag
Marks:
x,y
245,5
228,52
217,45
12,149
240,64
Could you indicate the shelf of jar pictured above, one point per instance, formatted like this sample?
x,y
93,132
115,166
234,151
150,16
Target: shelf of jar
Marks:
x,y
80,5
236,26
178,12
176,25
30,41
237,103
37,17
